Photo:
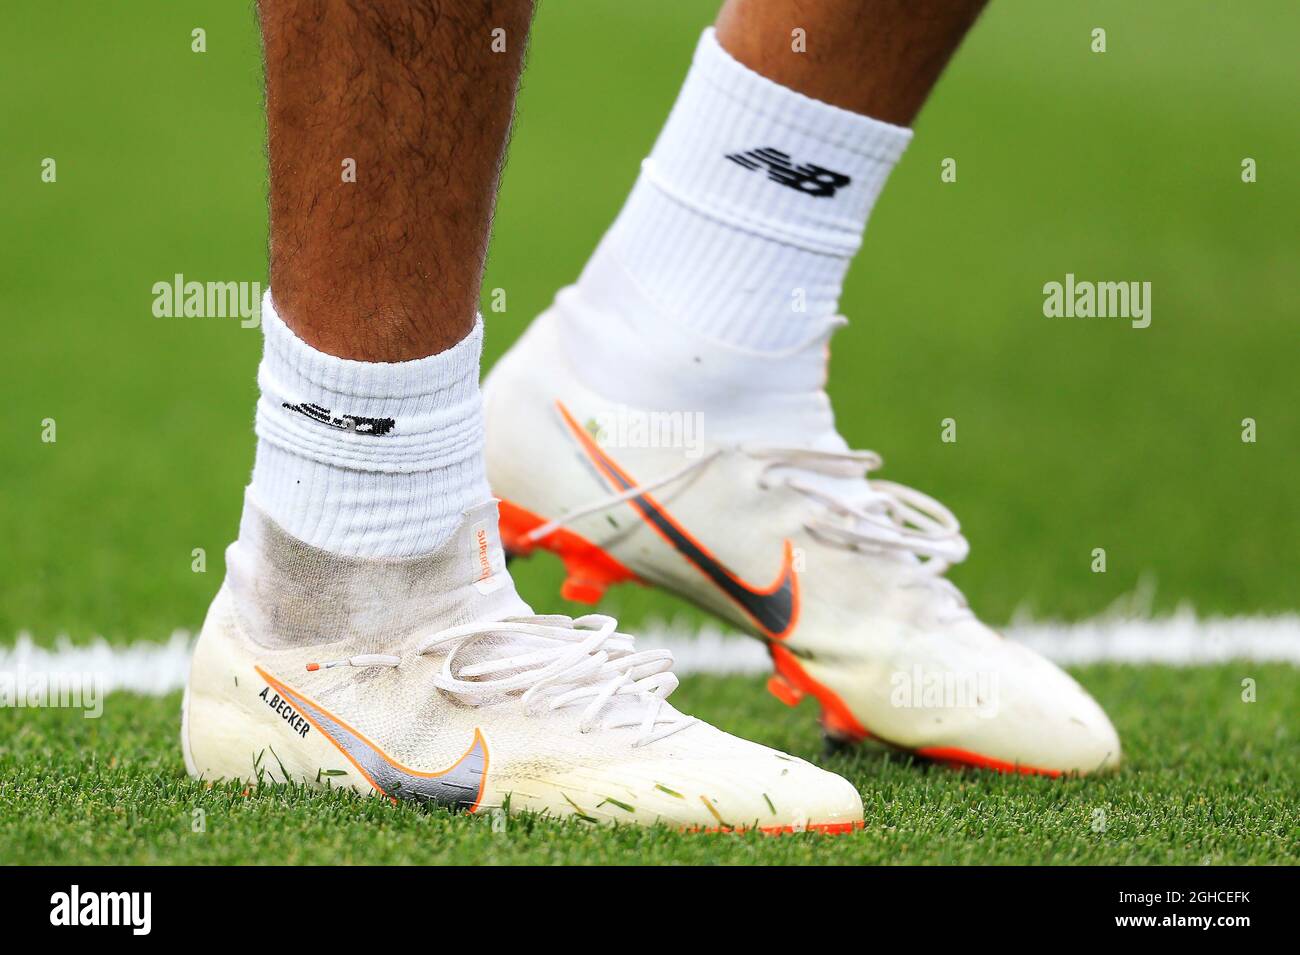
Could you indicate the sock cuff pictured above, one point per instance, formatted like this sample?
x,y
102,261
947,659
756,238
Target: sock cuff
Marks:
x,y
440,380
833,125
746,151
396,417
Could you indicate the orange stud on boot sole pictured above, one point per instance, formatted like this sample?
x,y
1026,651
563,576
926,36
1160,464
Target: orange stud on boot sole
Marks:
x,y
581,590
783,691
590,569
791,683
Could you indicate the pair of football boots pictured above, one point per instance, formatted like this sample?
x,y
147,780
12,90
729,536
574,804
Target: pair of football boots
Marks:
x,y
429,679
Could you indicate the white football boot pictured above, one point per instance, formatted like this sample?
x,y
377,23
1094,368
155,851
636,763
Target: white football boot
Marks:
x,y
429,679
841,577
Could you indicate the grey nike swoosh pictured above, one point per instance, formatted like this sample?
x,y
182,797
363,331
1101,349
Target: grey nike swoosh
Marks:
x,y
459,786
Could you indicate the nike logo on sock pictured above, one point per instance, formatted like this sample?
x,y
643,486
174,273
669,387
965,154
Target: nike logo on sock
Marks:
x,y
459,786
344,422
807,178
774,608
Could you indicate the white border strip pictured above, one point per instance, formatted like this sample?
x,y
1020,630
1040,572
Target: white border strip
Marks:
x,y
1180,640
147,667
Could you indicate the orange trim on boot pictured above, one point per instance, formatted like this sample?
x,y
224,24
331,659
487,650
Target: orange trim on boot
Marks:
x,y
590,569
822,828
791,683
952,756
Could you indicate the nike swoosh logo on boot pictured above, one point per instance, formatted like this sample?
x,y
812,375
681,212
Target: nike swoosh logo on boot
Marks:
x,y
459,786
773,609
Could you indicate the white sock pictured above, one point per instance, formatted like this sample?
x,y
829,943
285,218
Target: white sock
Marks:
x,y
367,459
751,205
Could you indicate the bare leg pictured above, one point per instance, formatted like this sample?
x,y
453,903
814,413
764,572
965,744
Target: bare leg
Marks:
x,y
386,268
876,57
369,421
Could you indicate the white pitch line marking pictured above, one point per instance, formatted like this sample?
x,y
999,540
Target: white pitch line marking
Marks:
x,y
1179,640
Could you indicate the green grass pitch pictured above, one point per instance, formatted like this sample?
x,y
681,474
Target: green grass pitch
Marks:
x,y
1210,780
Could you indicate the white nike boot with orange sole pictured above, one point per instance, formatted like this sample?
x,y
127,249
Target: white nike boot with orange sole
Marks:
x,y
840,576
428,679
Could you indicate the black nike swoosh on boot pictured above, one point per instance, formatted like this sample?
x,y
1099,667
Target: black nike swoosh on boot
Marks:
x,y
773,609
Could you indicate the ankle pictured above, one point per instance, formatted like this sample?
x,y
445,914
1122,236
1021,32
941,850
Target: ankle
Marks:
x,y
287,593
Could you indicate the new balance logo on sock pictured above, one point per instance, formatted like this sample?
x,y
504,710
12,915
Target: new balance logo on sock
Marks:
x,y
806,178
347,422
